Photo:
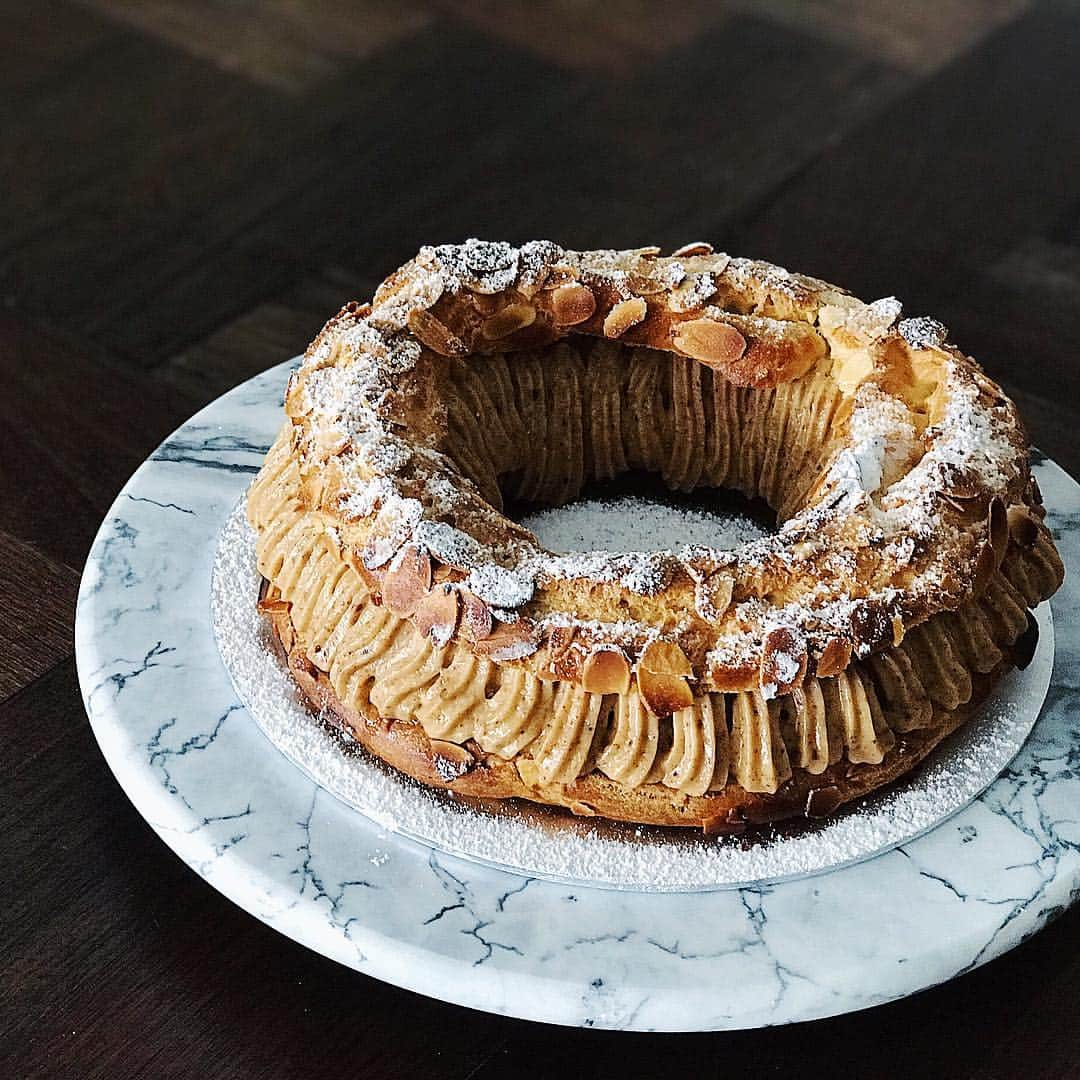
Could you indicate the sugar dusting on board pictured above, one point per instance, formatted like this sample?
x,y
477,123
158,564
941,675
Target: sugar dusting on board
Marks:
x,y
586,852
630,523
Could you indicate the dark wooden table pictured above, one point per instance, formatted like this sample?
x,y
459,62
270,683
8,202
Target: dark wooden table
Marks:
x,y
191,188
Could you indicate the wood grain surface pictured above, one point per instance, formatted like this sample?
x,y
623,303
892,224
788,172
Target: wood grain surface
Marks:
x,y
189,190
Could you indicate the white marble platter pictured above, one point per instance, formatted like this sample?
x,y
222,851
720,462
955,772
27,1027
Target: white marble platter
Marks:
x,y
241,815
557,847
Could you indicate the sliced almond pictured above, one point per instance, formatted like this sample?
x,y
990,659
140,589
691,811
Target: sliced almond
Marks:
x,y
834,657
698,247
665,658
551,665
783,661
287,636
450,760
512,318
821,802
326,355
1023,527
329,442
436,615
475,616
379,549
662,672
997,528
572,304
272,607
985,568
408,580
389,531
643,285
986,384
898,630
664,694
606,671
843,412
567,665
436,335
624,315
714,344
530,284
509,641
693,292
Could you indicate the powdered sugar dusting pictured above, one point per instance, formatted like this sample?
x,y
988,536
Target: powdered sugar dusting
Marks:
x,y
482,265
500,587
882,444
584,852
922,332
631,524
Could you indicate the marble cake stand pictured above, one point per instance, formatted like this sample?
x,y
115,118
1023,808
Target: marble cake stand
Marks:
x,y
198,769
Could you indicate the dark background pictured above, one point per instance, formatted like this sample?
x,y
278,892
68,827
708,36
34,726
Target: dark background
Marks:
x,y
190,188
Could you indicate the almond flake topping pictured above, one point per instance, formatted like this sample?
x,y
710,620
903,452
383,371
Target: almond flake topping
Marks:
x,y
908,477
624,315
715,344
572,304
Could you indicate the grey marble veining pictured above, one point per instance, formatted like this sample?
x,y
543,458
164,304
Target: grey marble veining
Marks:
x,y
197,768
580,852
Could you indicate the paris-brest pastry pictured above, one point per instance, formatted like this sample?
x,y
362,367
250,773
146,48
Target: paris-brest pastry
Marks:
x,y
697,687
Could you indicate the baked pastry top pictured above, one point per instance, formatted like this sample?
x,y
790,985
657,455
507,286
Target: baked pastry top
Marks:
x,y
697,686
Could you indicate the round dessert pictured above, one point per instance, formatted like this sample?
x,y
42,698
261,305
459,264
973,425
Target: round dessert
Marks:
x,y
699,687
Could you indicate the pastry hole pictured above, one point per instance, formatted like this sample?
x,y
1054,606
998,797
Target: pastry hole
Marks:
x,y
636,511
575,415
